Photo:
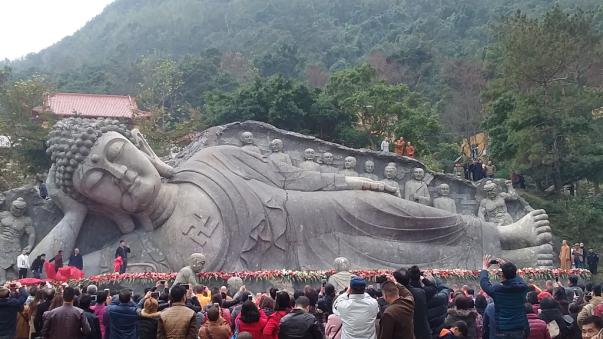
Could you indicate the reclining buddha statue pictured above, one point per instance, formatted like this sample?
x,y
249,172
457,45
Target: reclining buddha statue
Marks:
x,y
246,211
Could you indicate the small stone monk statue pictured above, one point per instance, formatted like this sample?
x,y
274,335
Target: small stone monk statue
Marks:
x,y
248,143
416,189
188,274
276,147
309,164
390,177
327,163
369,170
341,279
349,167
444,202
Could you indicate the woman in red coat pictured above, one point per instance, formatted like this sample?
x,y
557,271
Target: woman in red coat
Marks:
x,y
283,301
251,319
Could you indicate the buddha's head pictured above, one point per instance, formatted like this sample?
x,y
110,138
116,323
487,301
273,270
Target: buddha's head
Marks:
x,y
247,138
99,160
444,190
309,154
17,208
418,174
327,158
390,171
341,264
197,262
276,145
491,189
369,166
349,163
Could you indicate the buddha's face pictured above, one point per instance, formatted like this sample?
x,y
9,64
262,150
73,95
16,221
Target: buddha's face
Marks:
x,y
276,146
349,163
327,158
369,167
418,174
444,190
390,172
309,154
117,174
247,138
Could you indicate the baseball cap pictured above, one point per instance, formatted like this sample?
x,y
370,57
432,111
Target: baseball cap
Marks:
x,y
357,281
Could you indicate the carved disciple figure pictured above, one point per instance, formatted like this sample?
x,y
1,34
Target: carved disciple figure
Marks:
x,y
444,202
369,169
188,274
248,143
349,167
565,259
247,213
13,226
389,173
341,278
327,166
309,164
416,189
276,146
493,208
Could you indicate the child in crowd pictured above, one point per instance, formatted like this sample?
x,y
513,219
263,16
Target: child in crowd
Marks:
x,y
458,330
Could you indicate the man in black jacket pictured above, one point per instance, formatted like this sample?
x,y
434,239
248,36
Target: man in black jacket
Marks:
x,y
421,325
12,299
43,307
84,304
299,323
122,251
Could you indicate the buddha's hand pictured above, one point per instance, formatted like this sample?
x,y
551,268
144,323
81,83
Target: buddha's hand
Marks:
x,y
369,185
65,202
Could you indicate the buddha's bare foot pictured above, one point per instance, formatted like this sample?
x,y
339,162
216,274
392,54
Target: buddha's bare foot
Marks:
x,y
532,231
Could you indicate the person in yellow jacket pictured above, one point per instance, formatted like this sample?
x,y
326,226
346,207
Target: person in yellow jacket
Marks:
x,y
203,295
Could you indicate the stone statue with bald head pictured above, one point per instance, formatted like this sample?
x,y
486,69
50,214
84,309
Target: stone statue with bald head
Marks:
x,y
309,163
248,143
349,167
369,170
13,226
443,201
416,189
327,163
244,212
188,274
277,154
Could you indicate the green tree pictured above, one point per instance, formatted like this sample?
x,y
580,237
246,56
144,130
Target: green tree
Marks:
x,y
540,108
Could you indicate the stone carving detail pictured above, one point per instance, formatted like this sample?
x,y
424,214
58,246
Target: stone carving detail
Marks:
x,y
416,189
327,163
369,169
248,143
276,147
349,167
493,208
249,213
188,274
390,178
13,226
309,164
444,202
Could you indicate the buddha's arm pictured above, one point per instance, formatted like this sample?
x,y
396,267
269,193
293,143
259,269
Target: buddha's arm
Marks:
x,y
481,212
31,233
511,194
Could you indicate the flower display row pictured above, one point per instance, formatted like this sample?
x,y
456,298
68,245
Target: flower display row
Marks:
x,y
313,276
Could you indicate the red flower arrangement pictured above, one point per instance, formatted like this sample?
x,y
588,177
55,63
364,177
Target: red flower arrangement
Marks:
x,y
316,276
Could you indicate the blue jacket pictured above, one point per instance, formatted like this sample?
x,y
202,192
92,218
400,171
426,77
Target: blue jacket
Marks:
x,y
489,325
8,313
509,297
121,321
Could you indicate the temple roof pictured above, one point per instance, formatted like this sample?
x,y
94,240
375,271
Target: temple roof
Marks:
x,y
91,105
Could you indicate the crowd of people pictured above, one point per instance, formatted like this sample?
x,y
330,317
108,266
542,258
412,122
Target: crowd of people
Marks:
x,y
405,304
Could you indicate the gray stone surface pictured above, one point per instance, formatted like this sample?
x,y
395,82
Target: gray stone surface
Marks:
x,y
246,212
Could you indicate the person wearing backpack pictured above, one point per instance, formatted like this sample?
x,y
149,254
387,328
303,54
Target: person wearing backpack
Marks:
x,y
590,308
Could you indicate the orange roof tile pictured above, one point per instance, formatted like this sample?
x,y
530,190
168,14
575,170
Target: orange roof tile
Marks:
x,y
91,105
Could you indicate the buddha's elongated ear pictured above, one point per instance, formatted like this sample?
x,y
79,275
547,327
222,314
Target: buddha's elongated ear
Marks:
x,y
164,169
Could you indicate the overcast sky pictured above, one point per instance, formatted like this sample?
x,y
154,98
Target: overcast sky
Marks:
x,y
31,25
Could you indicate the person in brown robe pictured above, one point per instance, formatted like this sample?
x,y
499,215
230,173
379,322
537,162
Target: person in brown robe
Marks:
x,y
399,146
409,151
564,256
